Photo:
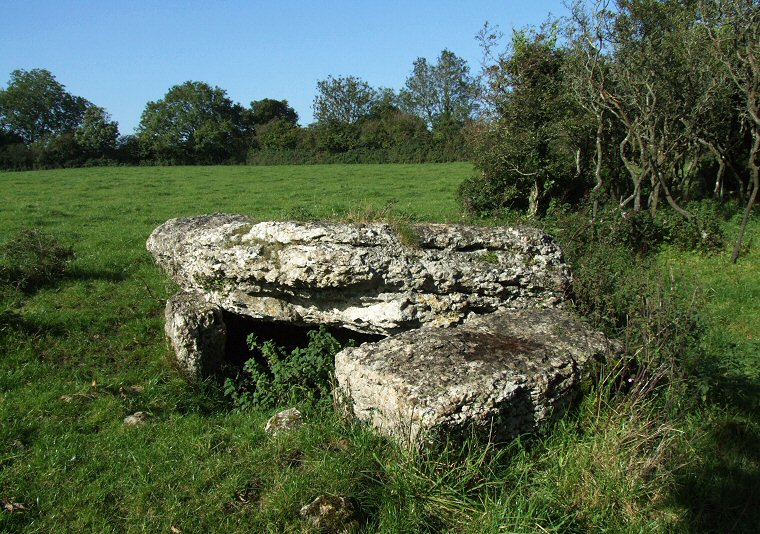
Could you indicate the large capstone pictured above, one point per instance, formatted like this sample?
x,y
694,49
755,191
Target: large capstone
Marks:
x,y
496,376
371,278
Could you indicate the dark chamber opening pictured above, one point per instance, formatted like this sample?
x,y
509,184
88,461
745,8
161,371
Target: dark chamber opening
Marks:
x,y
287,335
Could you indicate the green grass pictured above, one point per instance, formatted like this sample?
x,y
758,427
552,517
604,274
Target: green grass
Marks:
x,y
78,356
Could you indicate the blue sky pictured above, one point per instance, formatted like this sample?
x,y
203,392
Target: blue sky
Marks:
x,y
120,55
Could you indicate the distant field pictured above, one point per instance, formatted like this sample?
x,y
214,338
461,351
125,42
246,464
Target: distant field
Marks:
x,y
139,196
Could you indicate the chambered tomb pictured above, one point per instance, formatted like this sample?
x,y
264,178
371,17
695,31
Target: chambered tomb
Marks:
x,y
467,324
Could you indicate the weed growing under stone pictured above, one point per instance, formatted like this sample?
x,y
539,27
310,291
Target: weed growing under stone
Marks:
x,y
275,374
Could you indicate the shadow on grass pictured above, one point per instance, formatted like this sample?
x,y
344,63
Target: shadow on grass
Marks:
x,y
92,275
12,321
722,493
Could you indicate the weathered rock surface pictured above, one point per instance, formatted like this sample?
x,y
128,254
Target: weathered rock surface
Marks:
x,y
360,276
137,418
331,513
197,333
501,373
283,421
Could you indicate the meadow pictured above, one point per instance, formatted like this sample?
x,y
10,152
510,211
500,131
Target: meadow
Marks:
x,y
79,355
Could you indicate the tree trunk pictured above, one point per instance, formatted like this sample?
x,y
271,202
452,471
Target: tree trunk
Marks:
x,y
533,199
753,165
671,201
598,167
654,198
718,189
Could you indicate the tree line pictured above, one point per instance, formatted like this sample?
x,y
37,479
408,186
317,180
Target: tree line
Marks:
x,y
42,125
629,103
634,103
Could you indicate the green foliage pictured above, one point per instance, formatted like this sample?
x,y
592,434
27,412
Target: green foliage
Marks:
x,y
97,134
193,123
273,377
343,100
527,151
442,94
35,105
269,109
33,258
277,134
617,286
703,233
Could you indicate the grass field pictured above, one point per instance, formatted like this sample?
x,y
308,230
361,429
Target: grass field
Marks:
x,y
78,356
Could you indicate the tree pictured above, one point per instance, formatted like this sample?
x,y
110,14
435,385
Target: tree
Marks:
x,y
343,100
734,28
35,105
388,127
97,134
193,123
442,94
586,72
528,150
268,109
277,133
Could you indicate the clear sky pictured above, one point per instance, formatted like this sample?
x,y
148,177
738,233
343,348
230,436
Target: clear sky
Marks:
x,y
121,54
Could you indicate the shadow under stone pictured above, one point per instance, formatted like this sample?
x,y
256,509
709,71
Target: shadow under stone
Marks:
x,y
287,335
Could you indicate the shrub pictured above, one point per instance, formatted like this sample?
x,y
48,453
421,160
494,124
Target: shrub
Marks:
x,y
33,258
619,288
703,233
273,377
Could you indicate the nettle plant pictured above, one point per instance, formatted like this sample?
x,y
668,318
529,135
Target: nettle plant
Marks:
x,y
273,377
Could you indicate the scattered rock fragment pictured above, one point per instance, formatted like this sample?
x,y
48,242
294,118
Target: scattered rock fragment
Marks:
x,y
283,421
330,513
75,396
12,506
136,418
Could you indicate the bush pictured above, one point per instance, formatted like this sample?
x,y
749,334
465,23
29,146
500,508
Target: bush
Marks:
x,y
701,234
618,287
33,258
273,377
16,157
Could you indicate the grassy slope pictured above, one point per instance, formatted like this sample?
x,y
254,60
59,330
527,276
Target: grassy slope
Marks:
x,y
198,467
720,488
100,331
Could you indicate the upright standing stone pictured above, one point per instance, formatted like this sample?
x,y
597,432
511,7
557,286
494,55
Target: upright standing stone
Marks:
x,y
197,333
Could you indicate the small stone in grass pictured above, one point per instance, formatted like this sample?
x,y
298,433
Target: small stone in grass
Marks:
x,y
136,418
283,421
330,513
11,506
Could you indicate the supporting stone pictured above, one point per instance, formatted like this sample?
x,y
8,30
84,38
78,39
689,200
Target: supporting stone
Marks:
x,y
498,376
197,333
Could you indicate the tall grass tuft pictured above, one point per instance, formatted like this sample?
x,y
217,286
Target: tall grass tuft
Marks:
x,y
33,258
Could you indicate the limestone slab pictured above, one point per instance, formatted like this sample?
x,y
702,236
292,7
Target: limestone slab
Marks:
x,y
498,375
371,278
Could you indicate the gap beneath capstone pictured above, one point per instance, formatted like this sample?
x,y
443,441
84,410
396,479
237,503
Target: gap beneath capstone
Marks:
x,y
287,335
